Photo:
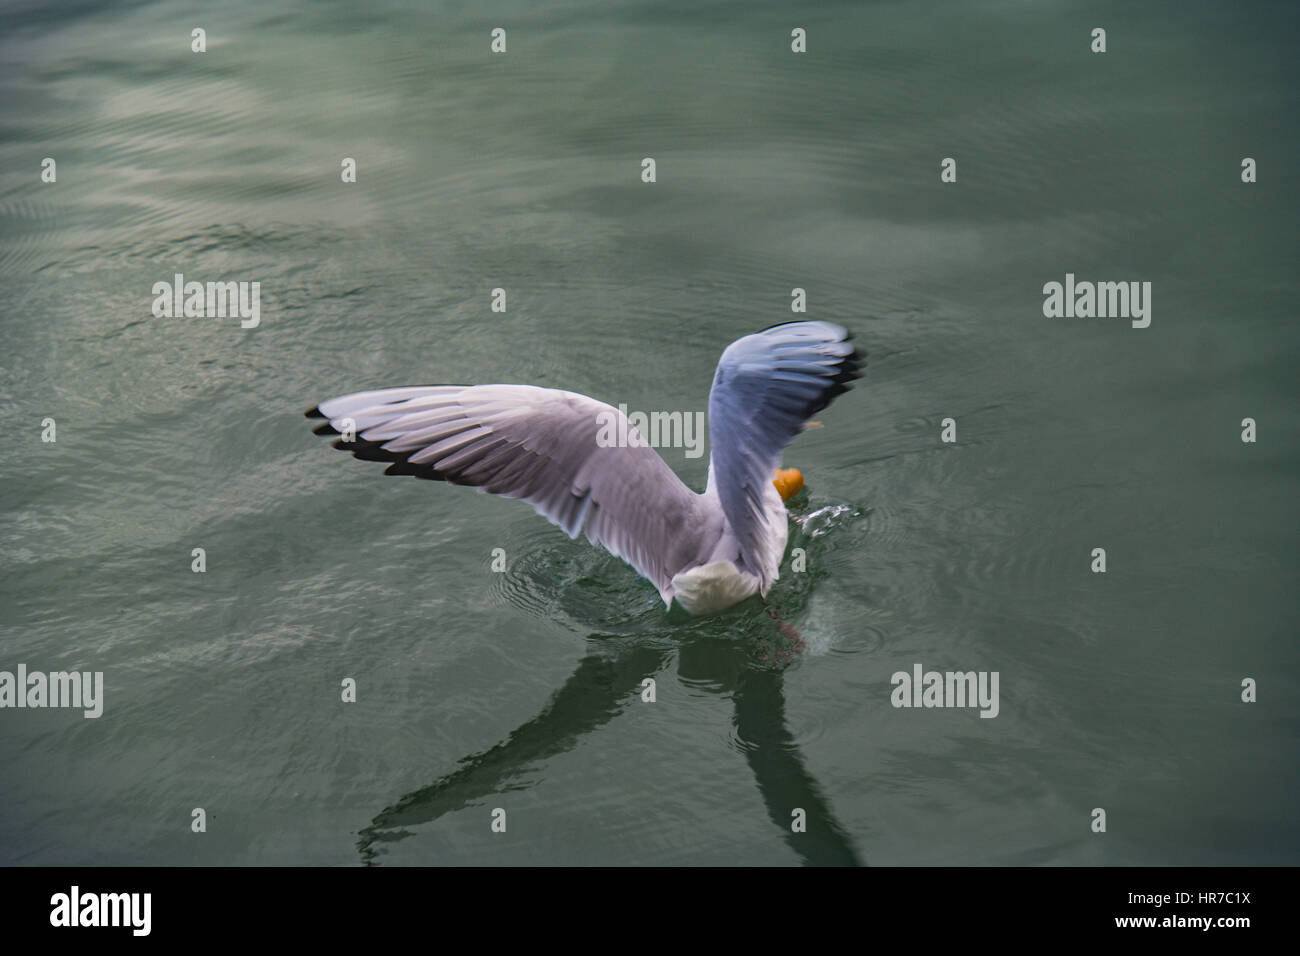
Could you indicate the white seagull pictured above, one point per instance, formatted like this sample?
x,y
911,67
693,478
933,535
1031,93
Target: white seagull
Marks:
x,y
544,445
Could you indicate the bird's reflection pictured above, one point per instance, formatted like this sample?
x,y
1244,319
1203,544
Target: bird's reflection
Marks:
x,y
607,680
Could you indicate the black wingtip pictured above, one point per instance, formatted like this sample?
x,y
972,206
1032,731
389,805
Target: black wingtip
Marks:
x,y
847,370
841,375
398,461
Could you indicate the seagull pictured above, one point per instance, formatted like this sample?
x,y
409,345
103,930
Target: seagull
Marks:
x,y
551,448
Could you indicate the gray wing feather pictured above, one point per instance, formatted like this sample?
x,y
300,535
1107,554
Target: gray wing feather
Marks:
x,y
538,445
766,387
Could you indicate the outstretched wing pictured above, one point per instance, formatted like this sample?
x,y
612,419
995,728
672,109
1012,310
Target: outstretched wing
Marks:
x,y
766,388
554,449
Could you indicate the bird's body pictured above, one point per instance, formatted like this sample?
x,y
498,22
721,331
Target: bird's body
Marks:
x,y
707,550
716,582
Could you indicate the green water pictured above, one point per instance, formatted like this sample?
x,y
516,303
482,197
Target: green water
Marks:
x,y
521,690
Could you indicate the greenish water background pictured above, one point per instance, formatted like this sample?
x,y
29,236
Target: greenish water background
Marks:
x,y
775,170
